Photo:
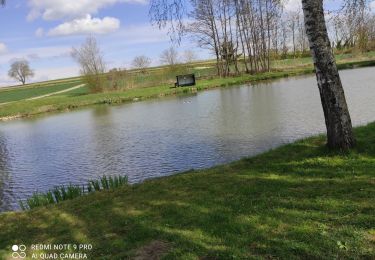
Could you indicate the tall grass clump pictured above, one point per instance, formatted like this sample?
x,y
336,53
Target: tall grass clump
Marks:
x,y
69,192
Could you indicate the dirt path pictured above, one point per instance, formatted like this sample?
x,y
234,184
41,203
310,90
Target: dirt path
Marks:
x,y
58,92
47,95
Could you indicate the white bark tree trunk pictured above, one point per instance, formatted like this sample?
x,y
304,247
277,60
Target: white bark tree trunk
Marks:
x,y
339,126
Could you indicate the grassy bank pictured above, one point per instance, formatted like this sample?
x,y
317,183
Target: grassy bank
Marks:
x,y
295,202
81,98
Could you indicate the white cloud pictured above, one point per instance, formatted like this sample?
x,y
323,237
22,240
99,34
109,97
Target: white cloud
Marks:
x,y
39,32
87,25
3,48
70,9
76,16
52,52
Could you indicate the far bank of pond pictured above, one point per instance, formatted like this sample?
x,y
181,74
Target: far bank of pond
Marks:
x,y
27,108
156,138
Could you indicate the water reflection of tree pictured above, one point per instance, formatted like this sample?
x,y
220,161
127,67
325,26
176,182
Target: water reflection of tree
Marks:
x,y
105,143
4,174
245,120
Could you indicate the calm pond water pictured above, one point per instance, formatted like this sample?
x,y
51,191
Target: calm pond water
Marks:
x,y
160,137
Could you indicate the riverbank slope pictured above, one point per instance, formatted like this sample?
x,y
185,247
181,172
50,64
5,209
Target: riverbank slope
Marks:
x,y
299,201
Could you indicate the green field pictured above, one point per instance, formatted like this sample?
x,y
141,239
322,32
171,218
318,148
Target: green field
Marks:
x,y
35,90
307,61
156,82
299,201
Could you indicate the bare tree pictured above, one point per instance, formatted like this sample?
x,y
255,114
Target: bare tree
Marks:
x,y
91,61
189,56
141,63
20,70
303,42
169,56
171,13
284,38
338,122
205,27
237,28
293,20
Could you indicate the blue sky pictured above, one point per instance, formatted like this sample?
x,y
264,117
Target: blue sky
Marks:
x,y
44,32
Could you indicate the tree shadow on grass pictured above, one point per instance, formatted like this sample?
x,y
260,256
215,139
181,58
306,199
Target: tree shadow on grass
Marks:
x,y
233,217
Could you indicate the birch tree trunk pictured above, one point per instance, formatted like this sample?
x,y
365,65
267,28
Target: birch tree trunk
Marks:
x,y
339,127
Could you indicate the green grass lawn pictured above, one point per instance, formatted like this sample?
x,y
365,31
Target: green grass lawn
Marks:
x,y
20,93
299,201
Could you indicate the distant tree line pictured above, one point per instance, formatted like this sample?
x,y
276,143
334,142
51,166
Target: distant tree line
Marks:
x,y
354,27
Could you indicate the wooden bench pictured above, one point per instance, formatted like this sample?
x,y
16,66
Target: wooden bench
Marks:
x,y
185,80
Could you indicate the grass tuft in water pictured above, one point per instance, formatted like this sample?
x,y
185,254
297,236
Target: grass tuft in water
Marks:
x,y
105,182
95,185
69,192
